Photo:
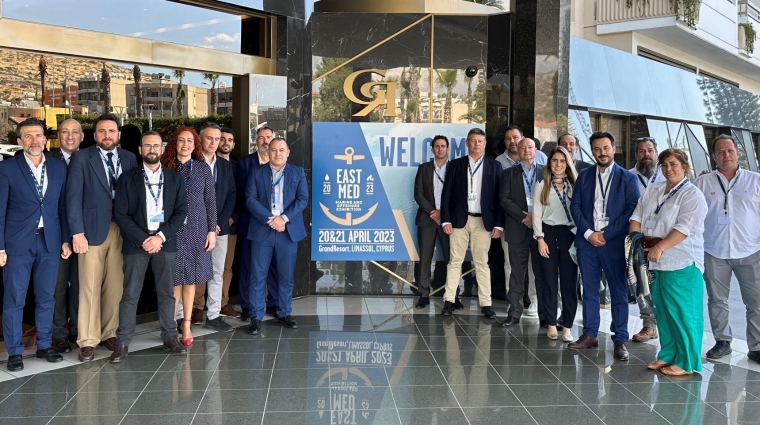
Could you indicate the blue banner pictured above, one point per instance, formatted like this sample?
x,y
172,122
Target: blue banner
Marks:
x,y
363,204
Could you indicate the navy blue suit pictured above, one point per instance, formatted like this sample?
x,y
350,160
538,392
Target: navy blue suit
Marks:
x,y
454,194
266,243
29,252
226,192
244,167
621,201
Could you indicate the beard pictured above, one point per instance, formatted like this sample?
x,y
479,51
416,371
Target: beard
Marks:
x,y
152,159
646,168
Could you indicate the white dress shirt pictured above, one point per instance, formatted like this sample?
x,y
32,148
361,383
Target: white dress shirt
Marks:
x,y
212,164
642,179
553,214
740,238
151,207
600,202
37,171
439,176
66,156
685,211
115,159
474,184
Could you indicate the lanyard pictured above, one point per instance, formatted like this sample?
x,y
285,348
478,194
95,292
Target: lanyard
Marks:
x,y
39,183
472,174
189,175
644,181
529,183
150,185
112,173
274,184
725,192
604,190
670,195
563,199
438,175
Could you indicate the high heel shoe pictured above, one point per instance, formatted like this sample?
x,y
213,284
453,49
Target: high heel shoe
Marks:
x,y
186,341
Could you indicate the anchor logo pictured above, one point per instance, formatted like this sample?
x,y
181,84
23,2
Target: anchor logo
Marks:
x,y
349,157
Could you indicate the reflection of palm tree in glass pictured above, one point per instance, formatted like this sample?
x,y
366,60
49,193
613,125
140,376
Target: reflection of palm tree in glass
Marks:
x,y
43,72
180,96
212,79
447,79
729,105
137,77
105,81
494,3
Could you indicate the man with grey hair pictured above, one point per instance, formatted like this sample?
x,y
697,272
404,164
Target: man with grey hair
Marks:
x,y
732,245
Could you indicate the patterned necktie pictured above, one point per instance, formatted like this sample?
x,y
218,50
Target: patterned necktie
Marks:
x,y
111,169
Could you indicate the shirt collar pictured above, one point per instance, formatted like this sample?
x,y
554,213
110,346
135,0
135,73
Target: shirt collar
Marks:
x,y
608,170
435,164
65,154
525,169
211,161
114,151
29,161
275,171
151,173
475,163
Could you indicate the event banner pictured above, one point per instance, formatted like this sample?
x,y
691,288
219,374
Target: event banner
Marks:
x,y
363,204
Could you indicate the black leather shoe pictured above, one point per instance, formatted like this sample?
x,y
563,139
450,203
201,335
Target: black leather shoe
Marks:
x,y
272,311
245,315
255,327
119,354
423,302
15,363
754,355
61,345
174,346
720,349
50,355
288,322
448,308
488,312
511,321
458,304
621,352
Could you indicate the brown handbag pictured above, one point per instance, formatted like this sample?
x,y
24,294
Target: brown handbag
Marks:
x,y
649,242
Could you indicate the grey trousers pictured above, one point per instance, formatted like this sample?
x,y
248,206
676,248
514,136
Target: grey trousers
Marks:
x,y
66,298
647,315
718,282
135,266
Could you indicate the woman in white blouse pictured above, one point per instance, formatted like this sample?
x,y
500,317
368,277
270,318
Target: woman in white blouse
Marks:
x,y
671,216
554,230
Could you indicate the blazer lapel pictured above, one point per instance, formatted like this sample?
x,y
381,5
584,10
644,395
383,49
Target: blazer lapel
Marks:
x,y
27,173
98,168
139,181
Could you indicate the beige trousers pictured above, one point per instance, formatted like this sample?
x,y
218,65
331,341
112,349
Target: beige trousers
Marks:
x,y
478,239
101,283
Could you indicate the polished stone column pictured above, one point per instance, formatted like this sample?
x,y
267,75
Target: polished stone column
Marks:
x,y
540,75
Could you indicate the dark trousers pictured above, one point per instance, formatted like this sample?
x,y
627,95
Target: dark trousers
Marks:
x,y
279,249
426,237
246,275
518,259
66,298
610,260
43,267
162,263
559,267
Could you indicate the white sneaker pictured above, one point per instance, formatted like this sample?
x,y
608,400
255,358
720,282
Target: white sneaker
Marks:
x,y
532,311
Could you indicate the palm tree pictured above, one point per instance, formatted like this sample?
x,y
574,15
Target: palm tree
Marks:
x,y
468,80
493,3
42,67
406,90
414,84
447,79
105,81
212,78
179,75
137,76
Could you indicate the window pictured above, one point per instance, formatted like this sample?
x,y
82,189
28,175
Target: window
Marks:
x,y
618,127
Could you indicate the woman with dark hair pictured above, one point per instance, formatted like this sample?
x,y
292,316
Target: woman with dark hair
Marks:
x,y
197,237
554,229
671,217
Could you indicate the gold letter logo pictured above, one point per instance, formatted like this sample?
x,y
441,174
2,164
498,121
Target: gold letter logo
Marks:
x,y
379,96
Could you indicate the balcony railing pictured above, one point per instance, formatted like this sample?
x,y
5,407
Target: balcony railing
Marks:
x,y
748,10
612,11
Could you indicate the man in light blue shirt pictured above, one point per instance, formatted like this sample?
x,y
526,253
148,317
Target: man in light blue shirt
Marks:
x,y
511,156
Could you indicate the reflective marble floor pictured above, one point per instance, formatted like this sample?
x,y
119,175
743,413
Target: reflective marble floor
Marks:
x,y
379,361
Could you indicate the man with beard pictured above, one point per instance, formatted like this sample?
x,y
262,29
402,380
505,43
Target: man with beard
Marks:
x,y
603,202
151,205
90,194
226,145
647,172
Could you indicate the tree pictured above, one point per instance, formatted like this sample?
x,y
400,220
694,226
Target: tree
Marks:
x,y
331,104
476,103
468,80
212,79
179,75
447,79
43,72
105,82
137,75
493,3
414,101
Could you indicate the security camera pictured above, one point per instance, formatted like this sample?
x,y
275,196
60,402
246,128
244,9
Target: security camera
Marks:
x,y
471,71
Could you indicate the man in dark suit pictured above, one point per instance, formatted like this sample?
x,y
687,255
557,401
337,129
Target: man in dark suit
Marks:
x,y
570,143
276,196
428,186
603,200
246,164
70,136
33,233
516,195
226,145
224,182
471,216
90,193
150,206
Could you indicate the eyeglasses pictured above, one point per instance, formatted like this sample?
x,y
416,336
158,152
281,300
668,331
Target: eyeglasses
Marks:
x,y
151,147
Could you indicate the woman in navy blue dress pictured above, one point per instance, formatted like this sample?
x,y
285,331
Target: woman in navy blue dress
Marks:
x,y
197,237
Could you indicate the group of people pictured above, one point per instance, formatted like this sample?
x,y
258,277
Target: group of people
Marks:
x,y
558,216
85,224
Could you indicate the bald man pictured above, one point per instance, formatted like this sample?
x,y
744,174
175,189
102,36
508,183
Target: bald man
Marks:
x,y
70,136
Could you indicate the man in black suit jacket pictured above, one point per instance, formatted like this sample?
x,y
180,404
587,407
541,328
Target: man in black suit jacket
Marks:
x,y
428,186
150,206
70,136
471,216
570,143
516,197
226,145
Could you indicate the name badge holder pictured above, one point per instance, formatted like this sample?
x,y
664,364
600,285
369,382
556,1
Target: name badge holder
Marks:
x,y
602,222
725,219
651,223
473,196
276,211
